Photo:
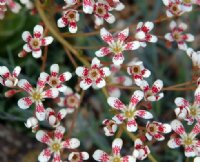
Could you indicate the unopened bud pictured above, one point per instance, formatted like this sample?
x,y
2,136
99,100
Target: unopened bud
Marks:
x,y
32,122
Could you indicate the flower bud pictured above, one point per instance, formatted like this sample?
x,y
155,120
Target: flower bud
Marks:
x,y
32,122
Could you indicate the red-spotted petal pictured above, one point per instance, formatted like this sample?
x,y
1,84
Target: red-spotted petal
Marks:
x,y
123,34
73,27
118,59
116,146
65,76
136,97
144,114
38,31
59,132
157,86
119,118
189,151
116,103
25,102
132,45
25,85
26,36
16,71
103,52
43,137
88,6
132,125
86,83
177,127
4,72
47,40
40,111
101,156
72,143
106,36
45,155
50,93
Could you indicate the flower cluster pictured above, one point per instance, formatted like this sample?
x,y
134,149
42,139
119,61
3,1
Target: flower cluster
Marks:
x,y
178,7
132,117
100,9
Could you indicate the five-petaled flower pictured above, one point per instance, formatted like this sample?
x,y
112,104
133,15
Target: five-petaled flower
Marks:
x,y
69,18
177,35
116,45
101,12
102,156
142,33
70,101
188,140
110,127
54,79
141,151
33,44
7,79
186,111
174,7
55,145
78,156
93,76
129,112
53,118
152,93
138,72
155,130
36,95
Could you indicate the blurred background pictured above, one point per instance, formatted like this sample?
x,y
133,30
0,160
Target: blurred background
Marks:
x,y
164,60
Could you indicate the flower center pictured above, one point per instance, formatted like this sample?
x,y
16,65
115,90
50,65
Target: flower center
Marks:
x,y
136,69
148,94
100,10
53,82
129,113
36,96
193,111
72,101
152,128
188,141
35,43
177,36
187,1
75,158
94,74
71,15
175,8
56,147
116,48
116,159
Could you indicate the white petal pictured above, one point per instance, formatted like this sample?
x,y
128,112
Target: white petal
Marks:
x,y
38,30
26,48
26,36
116,146
37,54
95,61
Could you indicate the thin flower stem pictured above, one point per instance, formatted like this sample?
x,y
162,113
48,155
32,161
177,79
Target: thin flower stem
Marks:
x,y
70,57
120,131
44,58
